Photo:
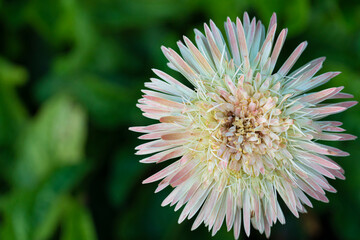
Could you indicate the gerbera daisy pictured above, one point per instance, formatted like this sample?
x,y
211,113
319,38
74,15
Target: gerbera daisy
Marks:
x,y
242,136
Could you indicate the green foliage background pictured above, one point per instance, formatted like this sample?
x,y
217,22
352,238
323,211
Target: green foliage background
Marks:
x,y
70,75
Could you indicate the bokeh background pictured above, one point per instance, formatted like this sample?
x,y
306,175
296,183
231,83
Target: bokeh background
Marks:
x,y
70,75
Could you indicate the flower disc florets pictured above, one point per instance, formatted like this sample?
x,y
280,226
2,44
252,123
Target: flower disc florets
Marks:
x,y
243,126
244,136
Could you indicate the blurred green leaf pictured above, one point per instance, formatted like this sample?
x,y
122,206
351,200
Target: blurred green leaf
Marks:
x,y
11,74
37,212
12,112
55,138
16,216
78,224
50,200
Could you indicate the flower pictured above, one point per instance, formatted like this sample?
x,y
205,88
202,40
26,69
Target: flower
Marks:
x,y
243,136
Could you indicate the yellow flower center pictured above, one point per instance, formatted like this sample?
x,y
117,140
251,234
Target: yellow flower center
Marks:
x,y
244,130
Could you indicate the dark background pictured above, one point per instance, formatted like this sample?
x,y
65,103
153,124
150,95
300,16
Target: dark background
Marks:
x,y
70,75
